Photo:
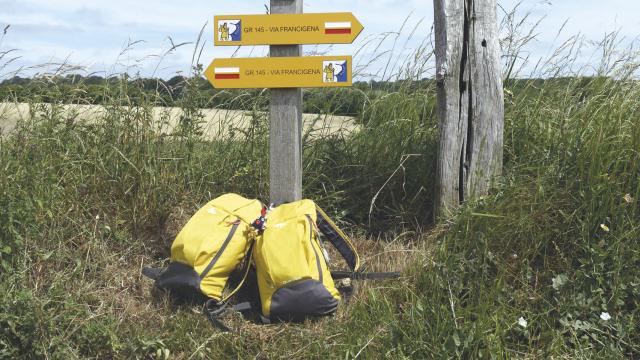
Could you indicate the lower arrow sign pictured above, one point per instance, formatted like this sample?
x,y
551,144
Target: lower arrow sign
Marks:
x,y
281,72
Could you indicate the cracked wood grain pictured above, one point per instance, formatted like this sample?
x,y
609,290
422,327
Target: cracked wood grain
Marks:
x,y
470,101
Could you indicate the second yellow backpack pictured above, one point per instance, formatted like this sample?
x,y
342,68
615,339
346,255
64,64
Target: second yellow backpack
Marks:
x,y
293,274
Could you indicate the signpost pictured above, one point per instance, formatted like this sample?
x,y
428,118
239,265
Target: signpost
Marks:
x,y
285,72
286,29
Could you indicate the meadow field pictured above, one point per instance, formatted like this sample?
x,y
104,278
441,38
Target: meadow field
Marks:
x,y
546,266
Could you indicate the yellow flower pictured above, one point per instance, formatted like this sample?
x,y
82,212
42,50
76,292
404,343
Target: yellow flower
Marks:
x,y
605,228
628,198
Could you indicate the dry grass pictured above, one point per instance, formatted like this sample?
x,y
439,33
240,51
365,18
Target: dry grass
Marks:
x,y
130,298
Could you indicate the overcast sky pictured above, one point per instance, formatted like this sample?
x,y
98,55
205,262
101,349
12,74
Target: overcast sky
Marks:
x,y
93,33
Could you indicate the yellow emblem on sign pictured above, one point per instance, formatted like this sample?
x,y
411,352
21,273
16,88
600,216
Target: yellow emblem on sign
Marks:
x,y
286,29
281,72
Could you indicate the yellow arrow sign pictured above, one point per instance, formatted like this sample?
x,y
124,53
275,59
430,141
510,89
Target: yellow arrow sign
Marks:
x,y
280,72
286,29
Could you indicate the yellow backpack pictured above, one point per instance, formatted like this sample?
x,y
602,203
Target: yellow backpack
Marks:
x,y
292,265
210,247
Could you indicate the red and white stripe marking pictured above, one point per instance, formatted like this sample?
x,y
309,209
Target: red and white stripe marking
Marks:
x,y
227,73
335,28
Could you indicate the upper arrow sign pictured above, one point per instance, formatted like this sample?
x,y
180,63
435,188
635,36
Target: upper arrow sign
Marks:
x,y
286,29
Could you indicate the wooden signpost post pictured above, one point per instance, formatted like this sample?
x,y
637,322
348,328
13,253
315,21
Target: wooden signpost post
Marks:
x,y
285,124
285,72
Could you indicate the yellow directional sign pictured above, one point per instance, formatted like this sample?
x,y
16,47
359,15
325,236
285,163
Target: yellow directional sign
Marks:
x,y
286,29
280,72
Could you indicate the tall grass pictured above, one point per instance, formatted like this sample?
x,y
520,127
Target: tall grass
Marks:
x,y
85,204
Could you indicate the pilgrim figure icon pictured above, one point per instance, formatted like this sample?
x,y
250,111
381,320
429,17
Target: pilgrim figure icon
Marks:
x,y
229,30
329,72
334,71
224,32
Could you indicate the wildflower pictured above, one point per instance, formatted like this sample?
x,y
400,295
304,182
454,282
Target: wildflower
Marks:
x,y
605,228
97,217
605,316
628,199
523,322
559,281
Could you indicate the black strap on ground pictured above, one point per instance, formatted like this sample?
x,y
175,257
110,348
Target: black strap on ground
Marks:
x,y
217,323
337,275
213,311
249,306
152,273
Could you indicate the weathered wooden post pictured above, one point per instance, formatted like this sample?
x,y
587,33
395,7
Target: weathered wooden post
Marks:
x,y
470,101
285,117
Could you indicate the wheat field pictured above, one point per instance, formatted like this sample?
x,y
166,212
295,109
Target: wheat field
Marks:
x,y
216,122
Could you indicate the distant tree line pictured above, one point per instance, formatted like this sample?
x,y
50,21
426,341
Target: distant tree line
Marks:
x,y
97,90
362,100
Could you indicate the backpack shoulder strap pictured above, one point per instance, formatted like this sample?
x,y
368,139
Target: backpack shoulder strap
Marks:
x,y
216,309
247,268
338,239
345,247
